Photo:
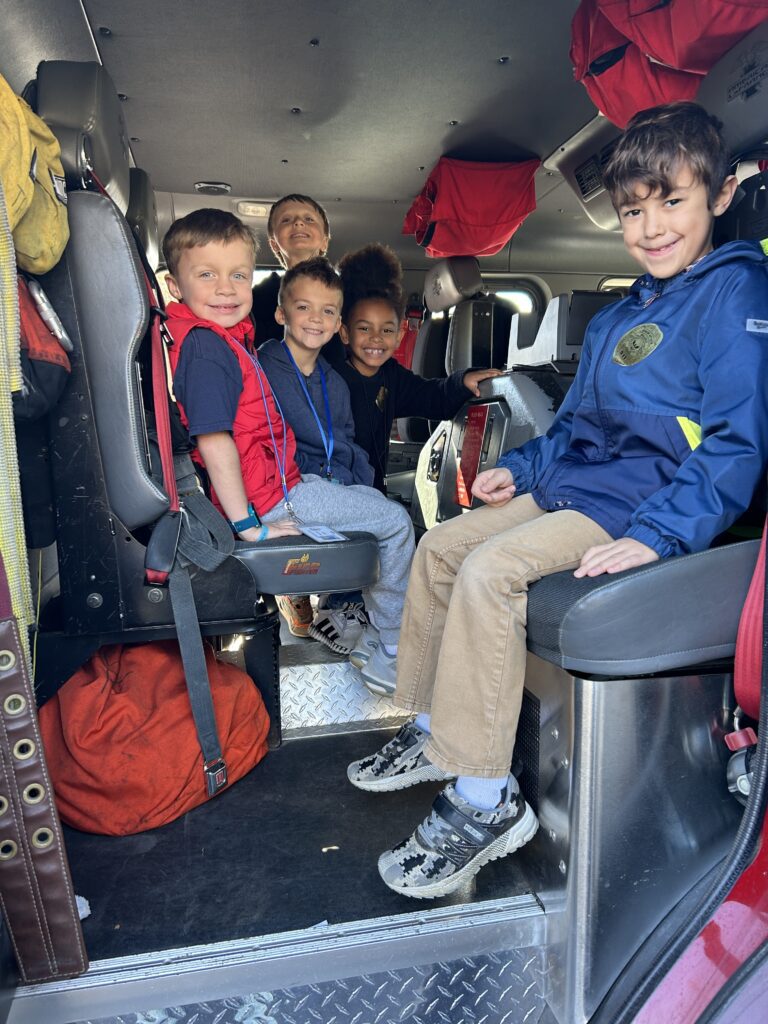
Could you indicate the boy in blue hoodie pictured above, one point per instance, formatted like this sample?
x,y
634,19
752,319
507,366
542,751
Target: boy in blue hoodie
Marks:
x,y
657,449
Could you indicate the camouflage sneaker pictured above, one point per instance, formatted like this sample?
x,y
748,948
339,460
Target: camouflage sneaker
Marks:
x,y
454,842
399,764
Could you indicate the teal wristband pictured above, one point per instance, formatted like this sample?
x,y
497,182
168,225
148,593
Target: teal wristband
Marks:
x,y
252,519
263,533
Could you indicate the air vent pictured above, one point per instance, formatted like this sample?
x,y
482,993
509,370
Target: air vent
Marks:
x,y
589,175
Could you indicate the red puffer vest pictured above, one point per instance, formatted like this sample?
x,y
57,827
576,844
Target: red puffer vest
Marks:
x,y
250,430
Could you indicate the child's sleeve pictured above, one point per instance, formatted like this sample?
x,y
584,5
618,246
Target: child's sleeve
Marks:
x,y
436,399
207,382
716,482
362,470
528,462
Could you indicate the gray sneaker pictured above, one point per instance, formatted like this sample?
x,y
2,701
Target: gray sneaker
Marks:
x,y
399,764
380,672
365,646
339,628
454,842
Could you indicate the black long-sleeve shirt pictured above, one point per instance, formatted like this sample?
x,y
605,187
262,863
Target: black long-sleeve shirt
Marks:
x,y
392,392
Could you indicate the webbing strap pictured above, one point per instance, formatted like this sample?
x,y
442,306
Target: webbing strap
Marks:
x,y
749,639
196,676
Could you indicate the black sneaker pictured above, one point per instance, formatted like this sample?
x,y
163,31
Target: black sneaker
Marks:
x,y
454,842
399,764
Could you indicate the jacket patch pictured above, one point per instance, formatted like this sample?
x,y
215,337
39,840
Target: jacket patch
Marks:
x,y
636,344
760,326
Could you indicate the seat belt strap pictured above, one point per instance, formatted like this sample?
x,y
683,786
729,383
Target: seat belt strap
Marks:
x,y
196,676
749,639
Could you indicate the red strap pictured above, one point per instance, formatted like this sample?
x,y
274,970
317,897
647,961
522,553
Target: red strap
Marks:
x,y
749,640
160,396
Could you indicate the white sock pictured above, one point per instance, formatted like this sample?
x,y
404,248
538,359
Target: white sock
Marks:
x,y
422,721
390,651
485,794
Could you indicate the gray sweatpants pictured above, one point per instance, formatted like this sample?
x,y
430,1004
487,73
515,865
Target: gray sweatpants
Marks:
x,y
315,500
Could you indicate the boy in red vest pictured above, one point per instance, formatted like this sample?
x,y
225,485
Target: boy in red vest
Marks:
x,y
242,438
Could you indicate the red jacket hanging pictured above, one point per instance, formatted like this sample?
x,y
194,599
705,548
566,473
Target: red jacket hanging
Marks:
x,y
619,77
690,35
250,430
469,208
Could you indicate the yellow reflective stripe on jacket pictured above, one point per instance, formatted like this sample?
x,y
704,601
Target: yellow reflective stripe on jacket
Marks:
x,y
691,430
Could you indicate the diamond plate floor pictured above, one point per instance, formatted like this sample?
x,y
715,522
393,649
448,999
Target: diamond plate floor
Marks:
x,y
497,988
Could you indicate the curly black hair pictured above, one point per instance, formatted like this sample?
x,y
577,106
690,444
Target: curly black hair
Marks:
x,y
373,272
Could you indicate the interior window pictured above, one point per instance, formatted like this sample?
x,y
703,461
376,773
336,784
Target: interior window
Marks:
x,y
620,285
262,275
520,299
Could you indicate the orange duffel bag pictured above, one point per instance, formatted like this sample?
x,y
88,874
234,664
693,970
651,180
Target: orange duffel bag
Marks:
x,y
120,741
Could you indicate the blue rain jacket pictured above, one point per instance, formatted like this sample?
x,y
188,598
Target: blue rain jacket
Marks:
x,y
663,435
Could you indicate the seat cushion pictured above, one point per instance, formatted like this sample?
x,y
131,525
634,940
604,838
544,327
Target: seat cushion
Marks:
x,y
298,565
669,615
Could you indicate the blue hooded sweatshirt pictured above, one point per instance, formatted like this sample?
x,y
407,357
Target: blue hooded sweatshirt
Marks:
x,y
663,436
349,463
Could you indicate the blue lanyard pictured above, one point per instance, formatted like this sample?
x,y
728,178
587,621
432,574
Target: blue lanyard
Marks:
x,y
280,460
325,437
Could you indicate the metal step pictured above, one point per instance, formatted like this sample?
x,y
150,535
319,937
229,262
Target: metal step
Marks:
x,y
321,693
474,963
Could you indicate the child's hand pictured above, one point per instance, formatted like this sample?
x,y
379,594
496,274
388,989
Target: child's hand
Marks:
x,y
494,486
473,377
624,553
282,528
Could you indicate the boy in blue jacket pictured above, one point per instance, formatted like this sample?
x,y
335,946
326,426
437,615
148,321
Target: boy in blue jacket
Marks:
x,y
657,449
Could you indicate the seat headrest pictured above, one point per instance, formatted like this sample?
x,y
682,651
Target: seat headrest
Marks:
x,y
142,215
747,216
451,280
79,103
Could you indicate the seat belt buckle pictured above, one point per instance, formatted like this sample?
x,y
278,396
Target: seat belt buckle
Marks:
x,y
743,738
215,776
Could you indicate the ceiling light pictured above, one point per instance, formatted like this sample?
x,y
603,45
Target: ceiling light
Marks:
x,y
213,188
248,209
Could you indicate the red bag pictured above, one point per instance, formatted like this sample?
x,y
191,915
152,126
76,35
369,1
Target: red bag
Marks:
x,y
120,741
690,35
467,208
619,77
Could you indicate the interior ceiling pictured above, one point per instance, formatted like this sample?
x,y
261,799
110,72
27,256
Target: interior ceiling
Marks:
x,y
210,87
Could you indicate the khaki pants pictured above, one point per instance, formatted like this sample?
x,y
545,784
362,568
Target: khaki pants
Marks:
x,y
462,643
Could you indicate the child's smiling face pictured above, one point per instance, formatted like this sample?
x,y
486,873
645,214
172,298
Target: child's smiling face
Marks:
x,y
214,280
310,313
372,333
666,234
298,233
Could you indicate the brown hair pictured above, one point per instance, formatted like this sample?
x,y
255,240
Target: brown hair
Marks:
x,y
201,227
317,269
656,142
373,272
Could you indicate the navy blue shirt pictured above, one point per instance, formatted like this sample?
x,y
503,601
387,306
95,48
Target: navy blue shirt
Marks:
x,y
208,382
